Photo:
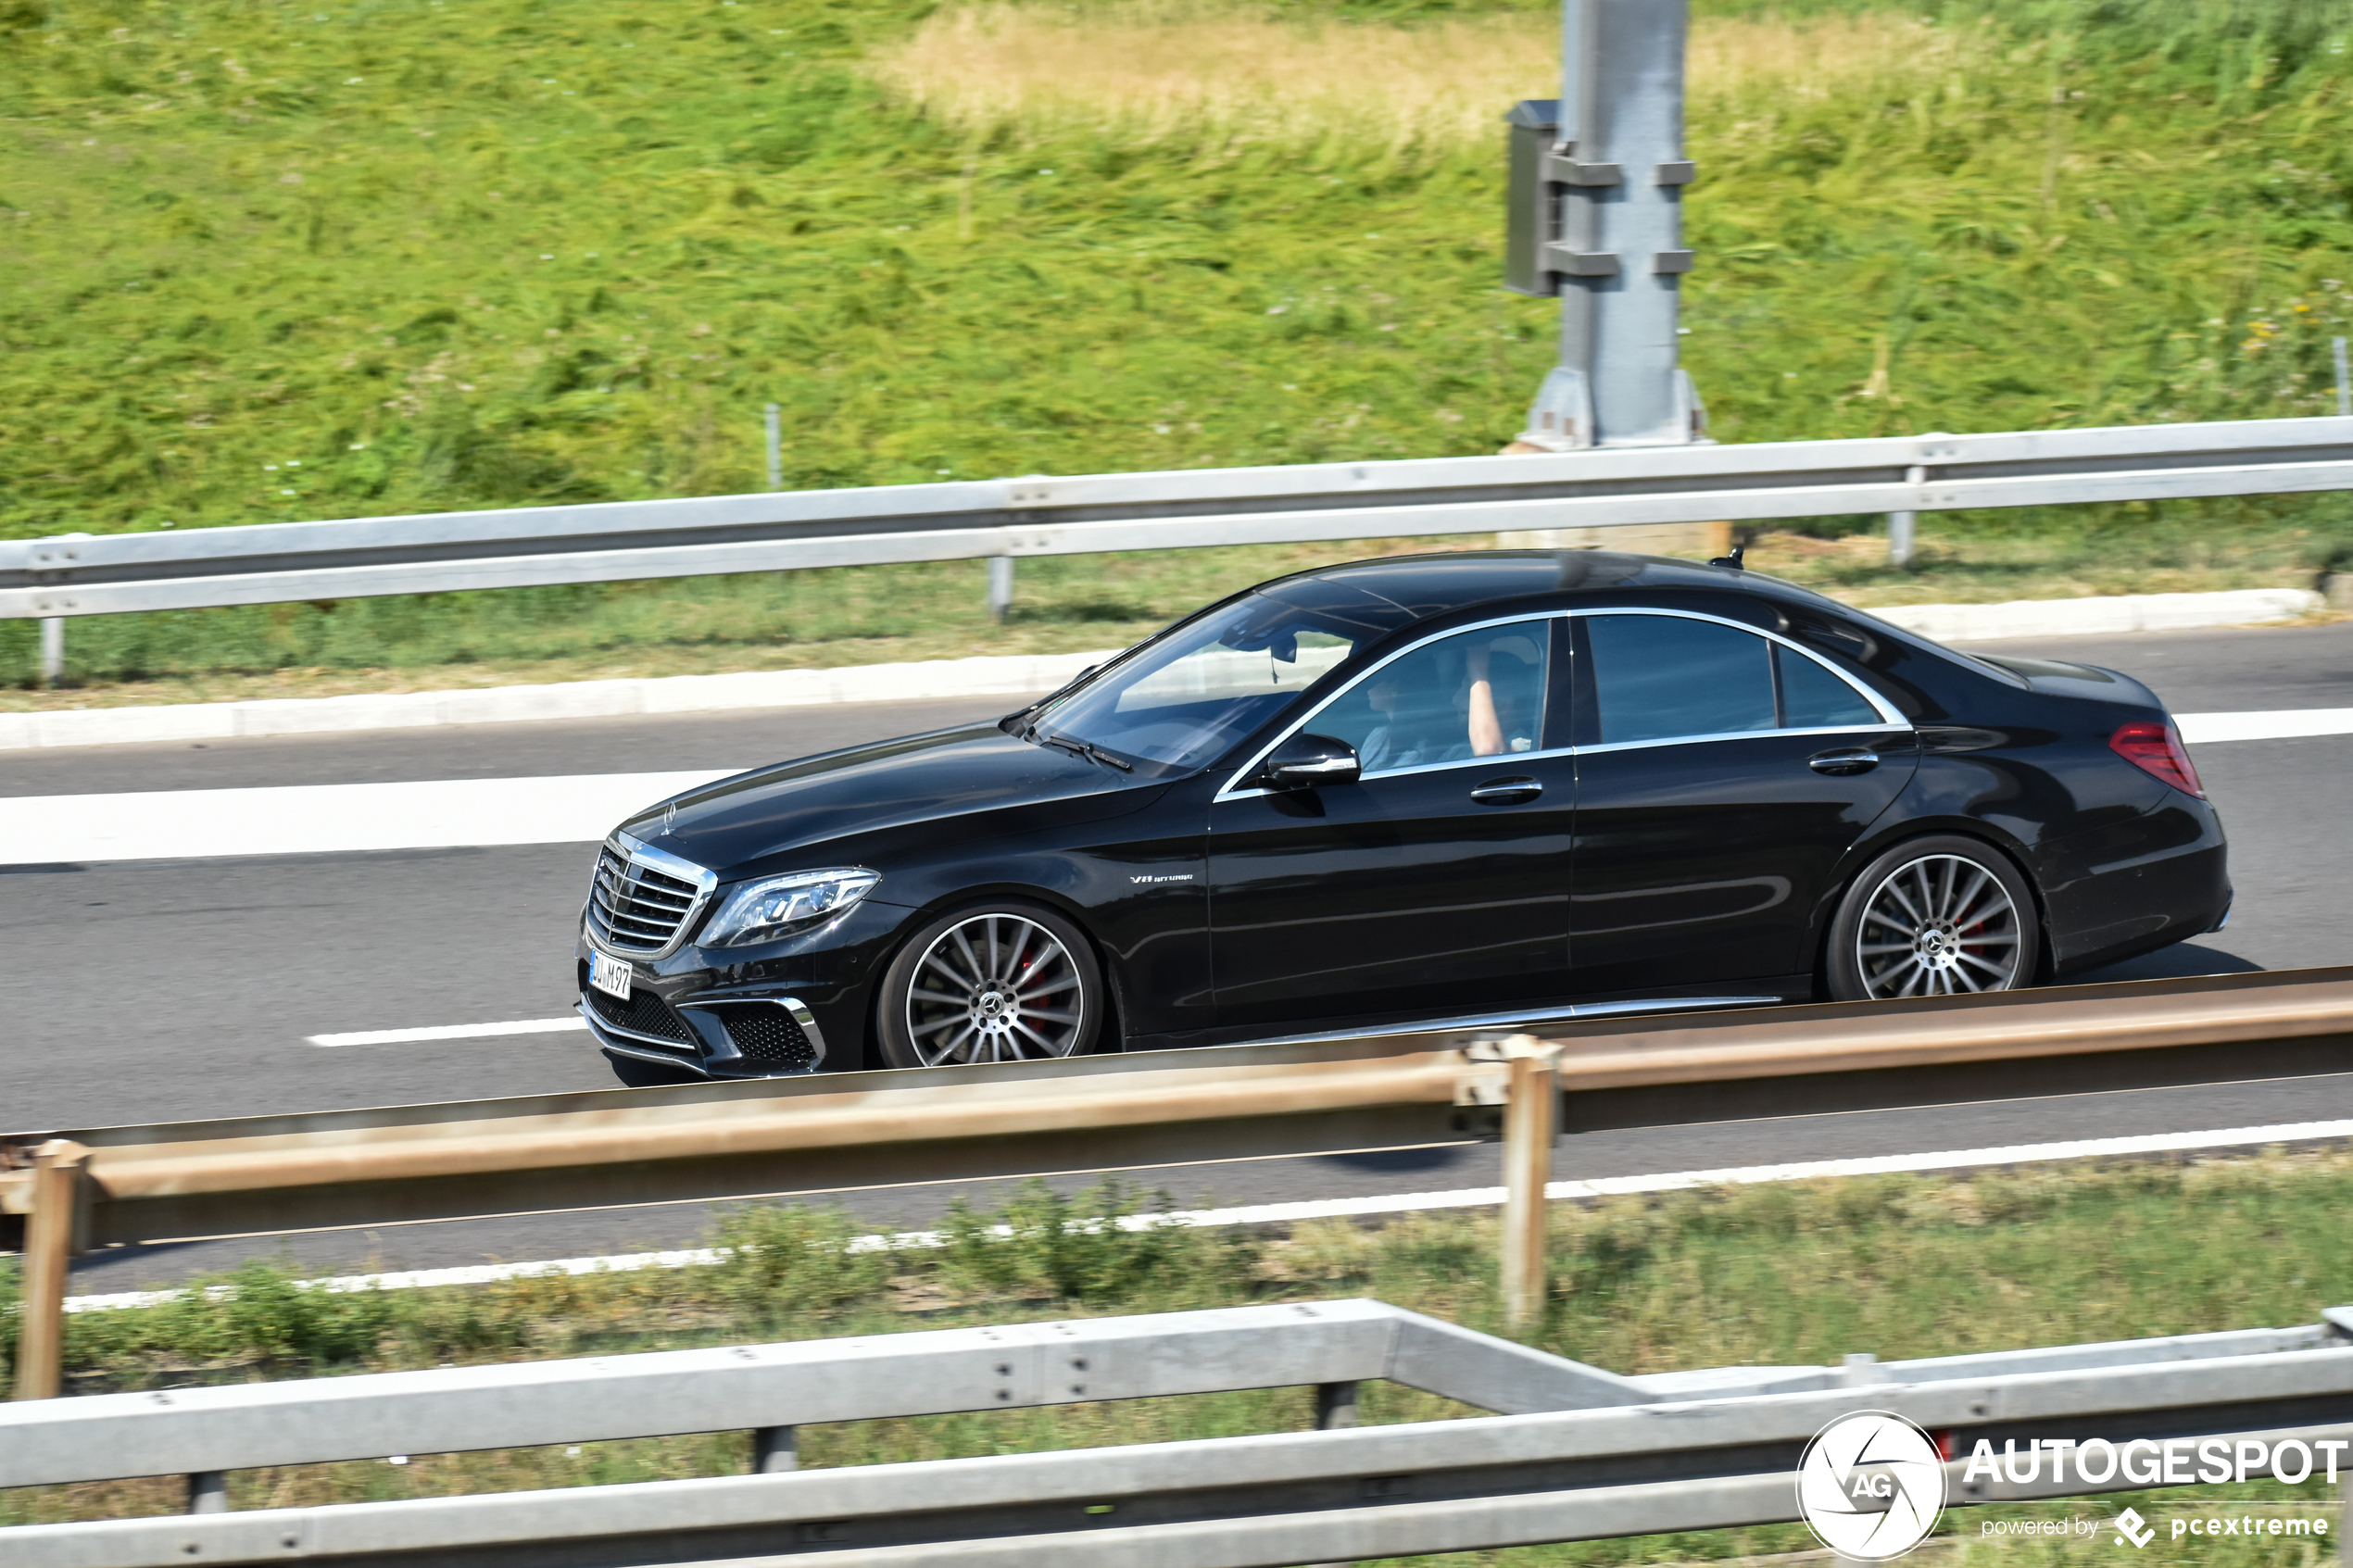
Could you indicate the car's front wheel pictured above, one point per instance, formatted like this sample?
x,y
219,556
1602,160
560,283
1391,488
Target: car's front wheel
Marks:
x,y
1003,982
1933,918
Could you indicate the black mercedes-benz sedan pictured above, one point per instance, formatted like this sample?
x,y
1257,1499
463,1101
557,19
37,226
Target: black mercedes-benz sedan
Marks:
x,y
1494,786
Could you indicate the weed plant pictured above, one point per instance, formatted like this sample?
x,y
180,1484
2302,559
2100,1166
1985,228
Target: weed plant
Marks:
x,y
272,261
1903,1266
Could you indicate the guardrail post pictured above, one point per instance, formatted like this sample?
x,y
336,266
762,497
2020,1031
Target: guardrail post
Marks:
x,y
774,1449
48,1247
52,649
1529,1125
208,1492
1001,586
1334,1406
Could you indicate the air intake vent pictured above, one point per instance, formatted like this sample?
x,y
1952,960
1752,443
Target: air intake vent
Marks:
x,y
643,1014
769,1036
642,899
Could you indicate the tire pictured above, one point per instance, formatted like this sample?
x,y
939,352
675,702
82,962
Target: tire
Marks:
x,y
996,982
1934,917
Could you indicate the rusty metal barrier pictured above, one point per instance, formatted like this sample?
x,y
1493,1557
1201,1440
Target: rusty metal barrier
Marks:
x,y
777,1138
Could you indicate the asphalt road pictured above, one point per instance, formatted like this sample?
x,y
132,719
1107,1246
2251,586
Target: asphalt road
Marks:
x,y
163,990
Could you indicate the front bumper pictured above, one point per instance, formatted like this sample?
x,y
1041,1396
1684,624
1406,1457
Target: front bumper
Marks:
x,y
778,1010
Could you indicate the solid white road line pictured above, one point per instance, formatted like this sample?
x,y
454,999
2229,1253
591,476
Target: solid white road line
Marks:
x,y
575,808
316,819
1393,1203
450,1032
2281,723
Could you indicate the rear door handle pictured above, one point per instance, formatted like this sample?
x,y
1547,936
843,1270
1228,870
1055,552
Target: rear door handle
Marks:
x,y
1507,792
1846,760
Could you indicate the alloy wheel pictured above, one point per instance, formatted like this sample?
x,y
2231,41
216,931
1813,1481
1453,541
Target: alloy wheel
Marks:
x,y
1935,926
997,987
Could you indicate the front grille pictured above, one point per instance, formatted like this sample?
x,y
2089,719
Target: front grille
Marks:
x,y
633,907
643,1014
769,1036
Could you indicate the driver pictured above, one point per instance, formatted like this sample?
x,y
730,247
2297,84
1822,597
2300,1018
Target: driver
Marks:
x,y
1471,725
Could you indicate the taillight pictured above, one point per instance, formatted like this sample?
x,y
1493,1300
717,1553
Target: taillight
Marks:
x,y
2157,748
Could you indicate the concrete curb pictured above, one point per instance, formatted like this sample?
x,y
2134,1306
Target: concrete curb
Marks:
x,y
2099,615
1011,676
1014,676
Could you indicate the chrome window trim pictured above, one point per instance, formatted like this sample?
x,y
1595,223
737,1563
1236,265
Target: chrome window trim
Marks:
x,y
1891,721
1232,790
1741,734
1879,705
1501,759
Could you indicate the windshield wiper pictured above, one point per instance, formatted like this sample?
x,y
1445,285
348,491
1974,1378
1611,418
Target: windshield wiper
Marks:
x,y
1086,749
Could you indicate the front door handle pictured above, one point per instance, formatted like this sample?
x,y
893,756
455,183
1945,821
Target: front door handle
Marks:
x,y
1846,760
1507,792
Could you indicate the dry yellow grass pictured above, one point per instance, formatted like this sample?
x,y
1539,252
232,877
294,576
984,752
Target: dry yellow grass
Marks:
x,y
1154,69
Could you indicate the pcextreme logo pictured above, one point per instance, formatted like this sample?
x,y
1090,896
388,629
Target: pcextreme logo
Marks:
x,y
1870,1485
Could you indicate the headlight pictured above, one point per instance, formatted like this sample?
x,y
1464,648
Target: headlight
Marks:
x,y
778,906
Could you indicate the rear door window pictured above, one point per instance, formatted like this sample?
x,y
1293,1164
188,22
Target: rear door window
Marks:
x,y
1813,698
1666,677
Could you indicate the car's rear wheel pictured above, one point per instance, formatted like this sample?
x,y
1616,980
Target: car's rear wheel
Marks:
x,y
1935,917
1000,983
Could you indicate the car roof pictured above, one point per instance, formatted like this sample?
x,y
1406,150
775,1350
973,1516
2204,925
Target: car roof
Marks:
x,y
1431,585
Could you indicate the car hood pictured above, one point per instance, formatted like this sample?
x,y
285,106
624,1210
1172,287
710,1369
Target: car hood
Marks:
x,y
890,784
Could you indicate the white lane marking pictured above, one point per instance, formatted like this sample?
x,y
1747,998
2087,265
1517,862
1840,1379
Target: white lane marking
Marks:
x,y
572,808
314,819
450,1032
2279,723
1335,1208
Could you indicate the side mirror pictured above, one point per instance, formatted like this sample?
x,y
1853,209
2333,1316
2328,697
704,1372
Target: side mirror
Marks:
x,y
1303,762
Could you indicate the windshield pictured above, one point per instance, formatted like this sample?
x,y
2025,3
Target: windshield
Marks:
x,y
1185,698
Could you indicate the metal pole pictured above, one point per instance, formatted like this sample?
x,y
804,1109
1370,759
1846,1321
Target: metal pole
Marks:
x,y
1611,212
48,1247
2343,382
775,448
1900,525
1528,1129
208,1492
1001,586
776,1449
52,649
1334,1406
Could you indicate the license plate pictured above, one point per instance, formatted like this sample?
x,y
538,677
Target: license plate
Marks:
x,y
609,974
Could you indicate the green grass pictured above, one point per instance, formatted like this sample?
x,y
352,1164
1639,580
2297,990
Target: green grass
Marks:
x,y
1903,1266
272,261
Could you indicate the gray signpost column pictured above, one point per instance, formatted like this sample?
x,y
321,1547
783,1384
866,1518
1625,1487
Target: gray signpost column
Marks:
x,y
1597,181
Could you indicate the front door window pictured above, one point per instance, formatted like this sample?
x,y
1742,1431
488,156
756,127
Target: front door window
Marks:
x,y
1474,695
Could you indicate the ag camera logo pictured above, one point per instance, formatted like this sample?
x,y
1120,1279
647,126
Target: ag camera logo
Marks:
x,y
1870,1485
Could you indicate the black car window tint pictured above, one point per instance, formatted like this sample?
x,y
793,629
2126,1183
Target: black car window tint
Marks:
x,y
1195,690
1427,706
1657,677
1813,698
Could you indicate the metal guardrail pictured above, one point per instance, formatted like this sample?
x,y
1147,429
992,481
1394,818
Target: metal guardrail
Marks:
x,y
522,1404
1596,1455
273,563
773,1138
